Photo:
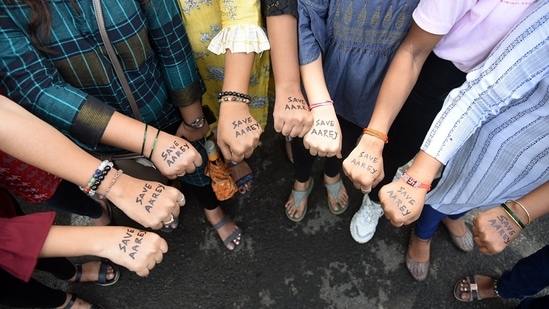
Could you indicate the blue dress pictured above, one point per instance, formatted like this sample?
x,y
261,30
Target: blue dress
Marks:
x,y
358,40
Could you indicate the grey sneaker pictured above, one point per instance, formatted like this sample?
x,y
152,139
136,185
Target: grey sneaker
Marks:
x,y
364,222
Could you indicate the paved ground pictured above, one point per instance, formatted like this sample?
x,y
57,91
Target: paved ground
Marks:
x,y
312,264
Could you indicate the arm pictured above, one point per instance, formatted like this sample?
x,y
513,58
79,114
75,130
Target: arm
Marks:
x,y
509,75
33,134
365,163
291,112
31,79
324,137
137,250
238,132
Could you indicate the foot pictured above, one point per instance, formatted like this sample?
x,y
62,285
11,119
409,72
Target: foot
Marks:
x,y
475,287
417,257
243,176
419,249
91,272
297,212
337,203
105,218
224,230
459,232
364,222
73,302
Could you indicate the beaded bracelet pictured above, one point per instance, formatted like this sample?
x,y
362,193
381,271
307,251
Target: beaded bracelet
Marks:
x,y
233,99
95,181
523,208
512,215
113,181
496,288
233,96
323,103
375,133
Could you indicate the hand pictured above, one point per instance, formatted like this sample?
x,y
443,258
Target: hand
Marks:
x,y
149,203
401,202
364,165
192,134
291,115
174,156
237,132
138,251
324,137
493,231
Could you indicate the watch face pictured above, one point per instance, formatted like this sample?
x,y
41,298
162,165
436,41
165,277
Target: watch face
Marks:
x,y
197,124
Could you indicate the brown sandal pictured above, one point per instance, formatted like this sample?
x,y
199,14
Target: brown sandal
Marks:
x,y
473,290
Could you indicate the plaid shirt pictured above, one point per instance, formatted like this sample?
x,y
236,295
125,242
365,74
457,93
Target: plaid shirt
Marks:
x,y
75,89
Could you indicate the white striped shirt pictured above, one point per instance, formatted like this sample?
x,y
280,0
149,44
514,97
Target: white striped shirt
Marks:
x,y
493,132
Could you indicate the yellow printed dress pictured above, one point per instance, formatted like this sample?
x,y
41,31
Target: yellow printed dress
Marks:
x,y
215,25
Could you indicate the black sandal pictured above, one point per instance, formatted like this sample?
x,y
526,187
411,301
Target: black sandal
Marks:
x,y
73,300
102,278
234,235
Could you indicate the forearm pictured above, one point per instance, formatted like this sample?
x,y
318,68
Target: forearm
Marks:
x,y
395,89
313,81
129,134
72,241
238,69
282,30
401,76
536,203
29,139
424,168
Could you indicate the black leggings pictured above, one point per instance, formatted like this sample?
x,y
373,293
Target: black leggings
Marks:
x,y
303,160
437,78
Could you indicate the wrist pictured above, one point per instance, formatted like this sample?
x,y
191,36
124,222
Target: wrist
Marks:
x,y
411,181
377,134
117,189
520,210
197,123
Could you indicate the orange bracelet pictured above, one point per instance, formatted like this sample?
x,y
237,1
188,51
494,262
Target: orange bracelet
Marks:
x,y
382,136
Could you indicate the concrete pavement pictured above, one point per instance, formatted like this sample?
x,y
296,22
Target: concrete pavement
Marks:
x,y
311,264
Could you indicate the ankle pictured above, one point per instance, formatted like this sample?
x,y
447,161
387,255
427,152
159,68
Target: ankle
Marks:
x,y
214,215
331,180
302,186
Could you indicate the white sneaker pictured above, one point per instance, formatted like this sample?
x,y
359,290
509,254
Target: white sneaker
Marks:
x,y
364,222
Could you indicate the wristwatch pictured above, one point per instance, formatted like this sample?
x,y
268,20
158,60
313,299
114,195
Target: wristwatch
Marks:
x,y
197,124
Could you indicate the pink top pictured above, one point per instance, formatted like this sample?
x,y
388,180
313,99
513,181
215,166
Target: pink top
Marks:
x,y
471,28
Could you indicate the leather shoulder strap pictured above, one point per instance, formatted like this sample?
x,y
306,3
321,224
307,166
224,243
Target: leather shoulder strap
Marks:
x,y
114,59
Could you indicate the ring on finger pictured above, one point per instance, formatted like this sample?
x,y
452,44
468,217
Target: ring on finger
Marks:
x,y
169,221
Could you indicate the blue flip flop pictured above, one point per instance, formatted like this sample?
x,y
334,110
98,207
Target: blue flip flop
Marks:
x,y
298,196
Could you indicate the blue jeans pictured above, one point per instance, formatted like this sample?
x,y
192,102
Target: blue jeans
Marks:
x,y
429,220
529,276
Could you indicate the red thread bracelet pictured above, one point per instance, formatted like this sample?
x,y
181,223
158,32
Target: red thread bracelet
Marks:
x,y
315,105
414,183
